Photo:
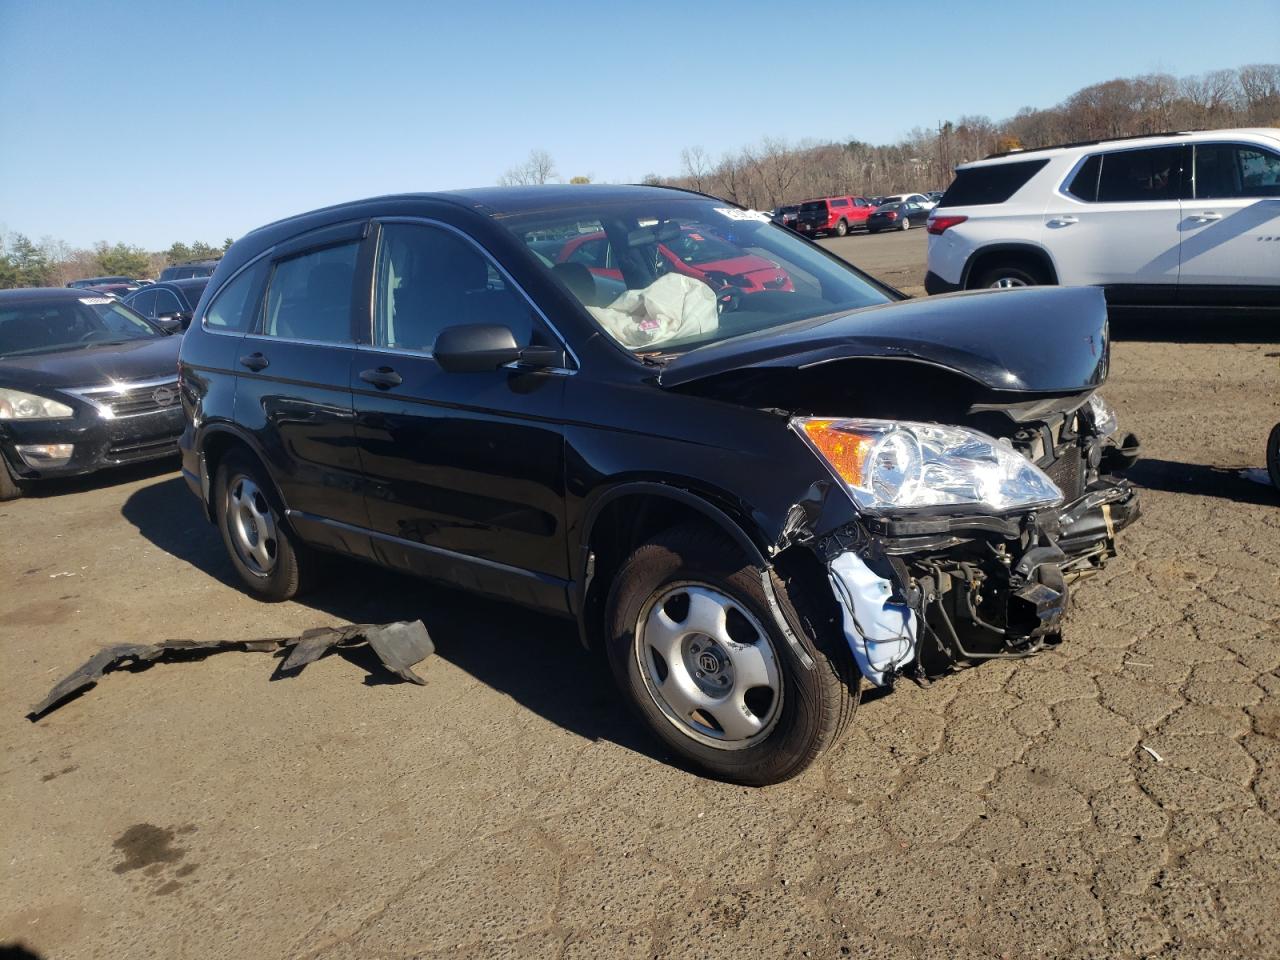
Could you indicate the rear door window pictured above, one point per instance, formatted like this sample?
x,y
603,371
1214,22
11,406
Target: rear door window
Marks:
x,y
977,186
310,295
1137,176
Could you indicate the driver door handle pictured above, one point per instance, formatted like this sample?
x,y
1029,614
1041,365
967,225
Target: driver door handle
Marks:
x,y
1063,221
384,378
254,361
1207,217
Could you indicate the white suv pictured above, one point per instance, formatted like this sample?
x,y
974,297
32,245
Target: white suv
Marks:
x,y
1187,219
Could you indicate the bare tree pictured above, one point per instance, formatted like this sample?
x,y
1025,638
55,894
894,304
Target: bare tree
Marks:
x,y
696,166
537,169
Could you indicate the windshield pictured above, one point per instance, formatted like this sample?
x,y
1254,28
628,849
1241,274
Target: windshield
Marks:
x,y
45,327
671,274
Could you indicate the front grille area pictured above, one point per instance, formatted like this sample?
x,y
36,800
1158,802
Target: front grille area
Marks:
x,y
1068,472
133,399
125,451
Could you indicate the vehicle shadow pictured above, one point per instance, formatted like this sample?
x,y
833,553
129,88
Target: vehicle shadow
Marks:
x,y
1201,480
1193,326
101,480
533,658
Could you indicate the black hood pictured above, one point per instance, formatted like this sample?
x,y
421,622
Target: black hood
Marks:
x,y
148,359
1030,341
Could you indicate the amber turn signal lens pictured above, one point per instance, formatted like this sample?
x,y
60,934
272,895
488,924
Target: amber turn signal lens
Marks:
x,y
845,451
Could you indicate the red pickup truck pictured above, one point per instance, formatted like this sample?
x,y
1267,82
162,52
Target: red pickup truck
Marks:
x,y
836,215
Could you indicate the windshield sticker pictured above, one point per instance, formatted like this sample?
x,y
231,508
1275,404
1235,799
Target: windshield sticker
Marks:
x,y
733,213
94,301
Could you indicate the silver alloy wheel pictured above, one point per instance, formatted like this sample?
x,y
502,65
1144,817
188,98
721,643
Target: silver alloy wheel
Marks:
x,y
709,666
906,223
252,524
1007,283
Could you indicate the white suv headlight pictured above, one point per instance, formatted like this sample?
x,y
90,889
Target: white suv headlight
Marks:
x,y
16,405
894,464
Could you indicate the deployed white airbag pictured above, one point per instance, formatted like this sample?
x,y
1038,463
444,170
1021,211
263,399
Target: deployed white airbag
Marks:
x,y
671,308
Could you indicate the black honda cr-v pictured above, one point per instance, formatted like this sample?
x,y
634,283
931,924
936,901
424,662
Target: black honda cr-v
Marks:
x,y
751,500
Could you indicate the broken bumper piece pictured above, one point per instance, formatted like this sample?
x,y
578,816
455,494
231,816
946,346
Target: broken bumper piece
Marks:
x,y
398,645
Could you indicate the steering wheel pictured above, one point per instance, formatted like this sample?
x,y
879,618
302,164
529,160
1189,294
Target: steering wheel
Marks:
x,y
729,298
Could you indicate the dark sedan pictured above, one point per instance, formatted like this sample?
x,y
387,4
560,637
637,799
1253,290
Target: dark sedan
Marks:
x,y
169,303
897,216
85,383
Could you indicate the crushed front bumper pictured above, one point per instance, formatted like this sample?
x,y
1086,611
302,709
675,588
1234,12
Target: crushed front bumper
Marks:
x,y
974,590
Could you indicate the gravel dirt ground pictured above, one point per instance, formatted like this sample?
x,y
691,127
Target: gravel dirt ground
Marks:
x,y
1116,797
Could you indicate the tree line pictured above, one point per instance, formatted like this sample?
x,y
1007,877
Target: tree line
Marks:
x,y
774,172
51,263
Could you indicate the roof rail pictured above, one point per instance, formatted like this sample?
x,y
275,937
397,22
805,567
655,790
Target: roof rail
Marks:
x,y
1089,143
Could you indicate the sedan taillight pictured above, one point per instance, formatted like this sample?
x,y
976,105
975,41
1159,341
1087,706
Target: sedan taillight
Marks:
x,y
938,225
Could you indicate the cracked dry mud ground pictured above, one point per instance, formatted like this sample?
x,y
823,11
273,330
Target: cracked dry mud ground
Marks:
x,y
511,809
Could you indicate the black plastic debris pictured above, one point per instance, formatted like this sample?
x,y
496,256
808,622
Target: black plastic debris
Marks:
x,y
398,645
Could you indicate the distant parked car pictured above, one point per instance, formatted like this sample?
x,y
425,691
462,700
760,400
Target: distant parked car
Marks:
x,y
115,286
836,215
786,215
935,195
185,271
169,303
897,216
919,198
85,383
695,251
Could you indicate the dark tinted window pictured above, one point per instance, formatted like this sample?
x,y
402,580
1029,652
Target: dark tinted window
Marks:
x,y
1138,175
310,295
994,184
192,291
814,206
167,303
234,307
428,279
144,301
1084,185
1225,170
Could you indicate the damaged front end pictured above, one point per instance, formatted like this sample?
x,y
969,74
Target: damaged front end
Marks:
x,y
923,590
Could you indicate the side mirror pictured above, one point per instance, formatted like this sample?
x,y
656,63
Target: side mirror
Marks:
x,y
478,347
169,325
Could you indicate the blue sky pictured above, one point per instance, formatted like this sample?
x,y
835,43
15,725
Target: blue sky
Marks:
x,y
152,122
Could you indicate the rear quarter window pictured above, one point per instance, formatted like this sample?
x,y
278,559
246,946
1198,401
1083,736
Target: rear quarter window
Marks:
x,y
235,307
978,186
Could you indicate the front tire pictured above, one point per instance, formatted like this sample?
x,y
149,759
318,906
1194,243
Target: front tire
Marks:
x,y
10,487
693,645
270,561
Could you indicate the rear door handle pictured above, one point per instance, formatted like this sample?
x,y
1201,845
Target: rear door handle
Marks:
x,y
1207,217
384,378
254,361
1064,221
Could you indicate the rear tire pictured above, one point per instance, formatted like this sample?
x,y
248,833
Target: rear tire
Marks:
x,y
10,487
729,694
270,561
906,224
841,228
1009,275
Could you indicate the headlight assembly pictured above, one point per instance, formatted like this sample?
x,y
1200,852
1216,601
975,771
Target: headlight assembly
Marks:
x,y
889,465
16,405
